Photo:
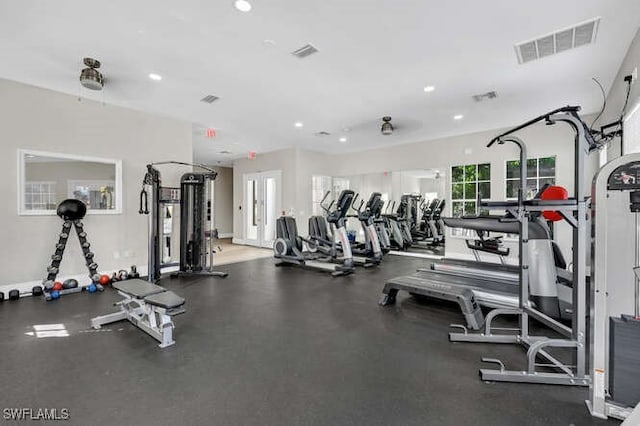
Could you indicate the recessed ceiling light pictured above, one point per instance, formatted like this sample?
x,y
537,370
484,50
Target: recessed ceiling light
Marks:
x,y
458,117
155,77
298,124
242,5
429,89
343,139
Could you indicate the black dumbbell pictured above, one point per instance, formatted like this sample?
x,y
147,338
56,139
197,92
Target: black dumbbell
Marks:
x,y
134,272
16,294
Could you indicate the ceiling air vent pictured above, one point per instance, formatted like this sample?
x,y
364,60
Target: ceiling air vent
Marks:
x,y
304,51
485,96
323,134
209,99
225,152
558,41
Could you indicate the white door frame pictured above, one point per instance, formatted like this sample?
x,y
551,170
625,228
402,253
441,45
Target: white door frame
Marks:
x,y
260,178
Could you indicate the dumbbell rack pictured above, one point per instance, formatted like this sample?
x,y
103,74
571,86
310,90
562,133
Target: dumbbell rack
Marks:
x,y
56,258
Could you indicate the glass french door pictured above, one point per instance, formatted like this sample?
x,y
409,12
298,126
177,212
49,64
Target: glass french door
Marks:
x,y
262,203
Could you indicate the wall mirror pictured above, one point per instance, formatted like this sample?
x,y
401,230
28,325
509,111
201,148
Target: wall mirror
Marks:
x,y
420,187
45,179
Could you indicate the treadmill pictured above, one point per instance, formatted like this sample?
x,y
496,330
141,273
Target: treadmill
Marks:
x,y
490,284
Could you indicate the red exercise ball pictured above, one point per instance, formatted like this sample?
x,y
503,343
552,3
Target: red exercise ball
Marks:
x,y
57,286
554,193
105,279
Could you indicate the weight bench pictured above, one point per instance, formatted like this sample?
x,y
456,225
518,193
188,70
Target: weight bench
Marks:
x,y
148,307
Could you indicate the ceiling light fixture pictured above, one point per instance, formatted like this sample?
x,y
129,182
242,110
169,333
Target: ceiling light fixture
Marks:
x,y
242,5
343,139
429,89
90,77
298,124
458,117
387,127
155,77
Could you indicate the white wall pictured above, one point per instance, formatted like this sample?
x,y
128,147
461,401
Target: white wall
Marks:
x,y
616,97
541,140
223,201
284,160
38,119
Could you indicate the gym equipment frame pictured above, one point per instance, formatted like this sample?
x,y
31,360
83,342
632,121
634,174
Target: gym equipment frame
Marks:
x,y
574,212
197,232
147,306
615,289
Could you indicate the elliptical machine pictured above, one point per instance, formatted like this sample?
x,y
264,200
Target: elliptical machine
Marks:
x,y
288,246
371,247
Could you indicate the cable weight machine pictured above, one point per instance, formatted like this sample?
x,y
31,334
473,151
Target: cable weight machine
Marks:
x,y
197,232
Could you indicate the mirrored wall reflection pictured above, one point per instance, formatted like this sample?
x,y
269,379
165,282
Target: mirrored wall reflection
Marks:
x,y
47,179
413,201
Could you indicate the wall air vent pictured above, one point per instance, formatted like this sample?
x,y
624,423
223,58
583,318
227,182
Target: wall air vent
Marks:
x,y
209,99
305,51
485,96
558,41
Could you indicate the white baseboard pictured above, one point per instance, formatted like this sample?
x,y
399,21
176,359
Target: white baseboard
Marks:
x,y
237,241
414,254
83,279
226,235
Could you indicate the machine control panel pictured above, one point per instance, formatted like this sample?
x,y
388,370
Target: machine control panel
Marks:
x,y
625,177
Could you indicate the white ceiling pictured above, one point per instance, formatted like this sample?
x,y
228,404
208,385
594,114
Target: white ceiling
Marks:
x,y
375,58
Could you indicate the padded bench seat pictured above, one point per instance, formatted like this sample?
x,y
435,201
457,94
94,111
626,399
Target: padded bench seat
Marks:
x,y
166,300
138,288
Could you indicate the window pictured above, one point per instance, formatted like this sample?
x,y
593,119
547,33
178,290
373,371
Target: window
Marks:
x,y
540,171
632,131
466,183
603,156
39,195
319,186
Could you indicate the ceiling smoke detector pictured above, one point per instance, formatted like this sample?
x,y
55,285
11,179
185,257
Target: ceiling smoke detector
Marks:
x,y
387,127
90,77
